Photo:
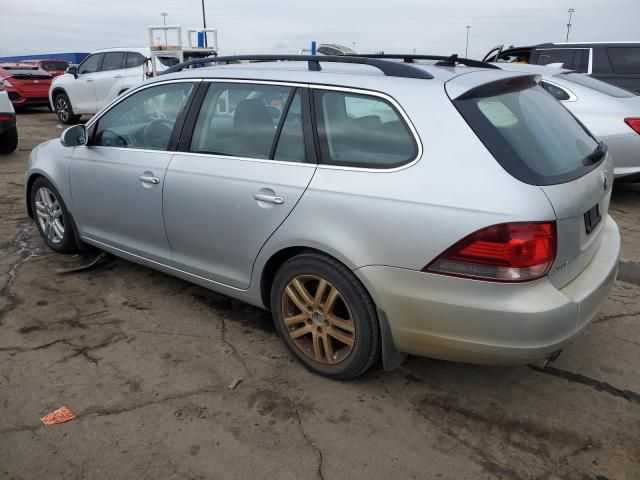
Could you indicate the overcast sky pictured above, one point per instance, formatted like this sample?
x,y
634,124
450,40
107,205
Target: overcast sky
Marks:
x,y
285,26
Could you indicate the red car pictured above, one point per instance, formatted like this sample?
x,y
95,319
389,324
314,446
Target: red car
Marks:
x,y
27,85
52,67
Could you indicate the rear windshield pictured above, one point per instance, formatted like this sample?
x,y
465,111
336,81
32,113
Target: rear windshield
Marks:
x,y
54,65
530,133
624,59
596,84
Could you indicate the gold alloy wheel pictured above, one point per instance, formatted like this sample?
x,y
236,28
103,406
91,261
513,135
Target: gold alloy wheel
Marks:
x,y
318,319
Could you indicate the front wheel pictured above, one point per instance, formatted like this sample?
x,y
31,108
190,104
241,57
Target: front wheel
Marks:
x,y
64,110
52,217
325,316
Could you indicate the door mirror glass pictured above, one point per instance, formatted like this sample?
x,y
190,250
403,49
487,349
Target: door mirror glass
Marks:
x,y
72,71
74,136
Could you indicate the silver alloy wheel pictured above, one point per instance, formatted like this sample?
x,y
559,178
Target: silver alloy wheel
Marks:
x,y
49,213
62,108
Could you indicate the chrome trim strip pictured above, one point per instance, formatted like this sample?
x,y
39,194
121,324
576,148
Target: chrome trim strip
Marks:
x,y
361,91
160,264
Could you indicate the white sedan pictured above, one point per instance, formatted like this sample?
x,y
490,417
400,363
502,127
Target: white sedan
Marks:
x,y
609,112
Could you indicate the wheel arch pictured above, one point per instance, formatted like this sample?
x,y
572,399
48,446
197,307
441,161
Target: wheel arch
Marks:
x,y
391,357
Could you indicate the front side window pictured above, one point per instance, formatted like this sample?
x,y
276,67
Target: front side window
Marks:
x,y
624,59
91,64
530,134
557,92
240,120
112,61
145,119
564,56
362,131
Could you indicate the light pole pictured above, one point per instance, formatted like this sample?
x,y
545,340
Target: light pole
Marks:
x,y
571,11
466,49
204,23
164,22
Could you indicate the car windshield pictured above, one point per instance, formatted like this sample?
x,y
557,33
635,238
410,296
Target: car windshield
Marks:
x,y
529,133
596,84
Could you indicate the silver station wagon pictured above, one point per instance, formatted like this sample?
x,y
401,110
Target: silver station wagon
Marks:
x,y
377,206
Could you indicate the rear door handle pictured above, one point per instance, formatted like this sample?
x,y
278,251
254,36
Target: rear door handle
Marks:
x,y
149,179
261,197
117,76
89,79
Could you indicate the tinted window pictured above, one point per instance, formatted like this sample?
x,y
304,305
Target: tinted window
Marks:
x,y
624,59
597,85
134,60
54,65
144,119
557,92
239,120
291,141
362,131
532,135
91,64
112,61
556,55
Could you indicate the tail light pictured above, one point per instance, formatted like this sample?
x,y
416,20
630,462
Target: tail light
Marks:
x,y
634,123
508,252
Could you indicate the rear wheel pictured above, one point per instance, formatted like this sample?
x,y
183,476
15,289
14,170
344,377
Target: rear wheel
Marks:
x,y
64,110
52,217
9,140
325,316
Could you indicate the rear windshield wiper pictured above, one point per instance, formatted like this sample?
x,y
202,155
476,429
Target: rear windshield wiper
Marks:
x,y
598,154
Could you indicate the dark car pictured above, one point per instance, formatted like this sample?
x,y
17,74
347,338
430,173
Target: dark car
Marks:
x,y
617,63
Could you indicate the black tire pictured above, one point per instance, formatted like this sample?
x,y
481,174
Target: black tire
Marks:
x,y
9,141
64,110
67,243
353,298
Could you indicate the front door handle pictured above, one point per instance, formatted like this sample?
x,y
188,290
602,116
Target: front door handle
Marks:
x,y
262,197
149,179
117,76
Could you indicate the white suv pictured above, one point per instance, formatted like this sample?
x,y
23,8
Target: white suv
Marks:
x,y
100,78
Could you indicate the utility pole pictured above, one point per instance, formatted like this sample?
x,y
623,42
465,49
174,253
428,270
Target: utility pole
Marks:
x,y
466,49
571,11
164,22
204,23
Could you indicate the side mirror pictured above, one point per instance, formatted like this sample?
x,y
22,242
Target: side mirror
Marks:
x,y
73,71
74,136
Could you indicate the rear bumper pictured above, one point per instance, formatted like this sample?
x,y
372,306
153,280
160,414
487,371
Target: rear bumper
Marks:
x,y
19,100
487,322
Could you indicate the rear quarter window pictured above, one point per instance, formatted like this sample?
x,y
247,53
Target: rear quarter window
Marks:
x,y
362,131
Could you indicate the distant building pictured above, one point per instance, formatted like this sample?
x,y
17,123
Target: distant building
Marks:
x,y
71,57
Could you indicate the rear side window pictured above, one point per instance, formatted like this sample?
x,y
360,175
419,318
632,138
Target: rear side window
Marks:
x,y
112,61
530,134
362,131
241,120
557,92
624,59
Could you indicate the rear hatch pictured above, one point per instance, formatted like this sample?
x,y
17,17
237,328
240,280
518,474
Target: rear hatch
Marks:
x,y
539,142
30,83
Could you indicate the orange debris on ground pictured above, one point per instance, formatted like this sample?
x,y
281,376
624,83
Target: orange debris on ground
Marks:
x,y
61,415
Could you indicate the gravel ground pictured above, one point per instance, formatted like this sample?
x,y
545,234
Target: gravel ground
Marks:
x,y
145,361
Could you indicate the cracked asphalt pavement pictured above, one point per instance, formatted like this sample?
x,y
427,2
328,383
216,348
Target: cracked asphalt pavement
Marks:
x,y
145,361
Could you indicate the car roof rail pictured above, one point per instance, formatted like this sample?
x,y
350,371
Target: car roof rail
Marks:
x,y
442,61
389,68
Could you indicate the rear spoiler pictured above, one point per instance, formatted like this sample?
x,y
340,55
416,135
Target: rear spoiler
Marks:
x,y
503,85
